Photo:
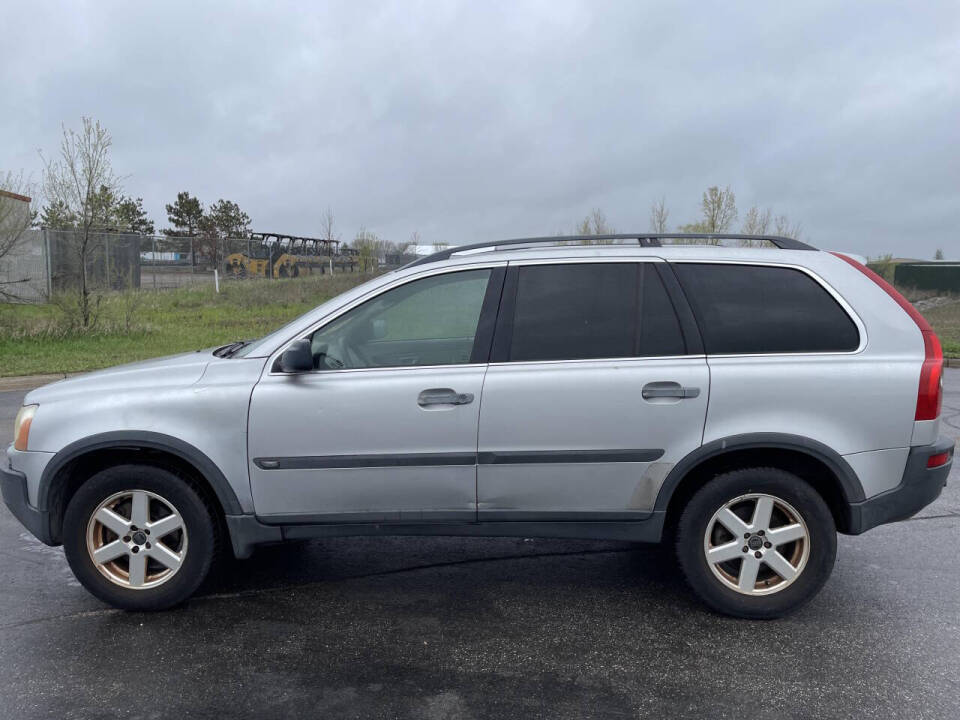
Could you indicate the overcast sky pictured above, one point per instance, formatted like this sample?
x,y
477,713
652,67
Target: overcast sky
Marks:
x,y
482,120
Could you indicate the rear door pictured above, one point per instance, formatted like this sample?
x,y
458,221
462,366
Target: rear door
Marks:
x,y
597,386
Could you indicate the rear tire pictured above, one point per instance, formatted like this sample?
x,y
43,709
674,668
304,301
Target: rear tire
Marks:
x,y
139,537
780,555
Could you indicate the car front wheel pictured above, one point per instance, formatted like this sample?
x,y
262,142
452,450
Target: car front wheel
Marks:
x,y
756,542
139,537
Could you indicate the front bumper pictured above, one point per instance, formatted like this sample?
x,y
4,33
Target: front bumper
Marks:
x,y
13,485
919,487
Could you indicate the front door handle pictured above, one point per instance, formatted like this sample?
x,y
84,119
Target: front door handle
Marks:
x,y
668,390
443,396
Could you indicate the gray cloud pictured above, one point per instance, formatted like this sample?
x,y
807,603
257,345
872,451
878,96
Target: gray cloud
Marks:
x,y
470,121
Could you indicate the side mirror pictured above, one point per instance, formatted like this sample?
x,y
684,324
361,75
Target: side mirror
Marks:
x,y
298,357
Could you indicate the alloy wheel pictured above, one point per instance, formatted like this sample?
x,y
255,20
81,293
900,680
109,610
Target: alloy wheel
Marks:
x,y
137,539
756,544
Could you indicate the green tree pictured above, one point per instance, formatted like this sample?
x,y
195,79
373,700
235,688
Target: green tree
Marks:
x,y
57,216
130,214
224,219
184,214
228,220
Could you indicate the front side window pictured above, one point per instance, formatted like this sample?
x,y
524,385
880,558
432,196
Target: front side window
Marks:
x,y
592,310
764,309
432,321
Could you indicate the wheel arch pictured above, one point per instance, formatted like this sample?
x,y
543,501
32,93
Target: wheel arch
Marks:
x,y
75,463
819,465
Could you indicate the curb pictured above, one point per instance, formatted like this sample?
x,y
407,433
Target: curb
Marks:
x,y
28,382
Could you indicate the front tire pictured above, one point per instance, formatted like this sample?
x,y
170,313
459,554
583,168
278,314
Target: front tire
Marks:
x,y
756,543
139,537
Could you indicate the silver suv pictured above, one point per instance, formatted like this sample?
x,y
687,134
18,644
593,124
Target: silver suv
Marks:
x,y
746,403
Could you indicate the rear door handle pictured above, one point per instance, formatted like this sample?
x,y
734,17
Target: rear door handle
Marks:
x,y
668,390
443,396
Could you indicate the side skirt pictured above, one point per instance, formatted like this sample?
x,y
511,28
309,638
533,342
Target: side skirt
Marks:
x,y
246,531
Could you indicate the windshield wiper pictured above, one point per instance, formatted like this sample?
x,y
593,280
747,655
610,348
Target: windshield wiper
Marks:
x,y
228,350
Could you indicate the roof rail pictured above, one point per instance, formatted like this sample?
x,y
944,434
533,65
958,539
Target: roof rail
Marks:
x,y
643,240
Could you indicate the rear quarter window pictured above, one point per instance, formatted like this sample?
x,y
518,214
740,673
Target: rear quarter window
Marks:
x,y
763,309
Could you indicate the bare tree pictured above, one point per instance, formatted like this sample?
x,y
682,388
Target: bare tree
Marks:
x,y
78,181
16,216
938,255
784,228
414,241
594,224
719,208
328,228
659,216
757,222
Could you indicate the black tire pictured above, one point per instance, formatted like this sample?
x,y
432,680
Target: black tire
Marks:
x,y
785,486
197,519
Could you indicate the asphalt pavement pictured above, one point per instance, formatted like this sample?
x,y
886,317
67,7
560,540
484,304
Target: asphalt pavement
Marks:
x,y
489,628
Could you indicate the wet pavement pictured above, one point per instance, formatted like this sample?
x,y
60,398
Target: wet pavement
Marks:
x,y
488,627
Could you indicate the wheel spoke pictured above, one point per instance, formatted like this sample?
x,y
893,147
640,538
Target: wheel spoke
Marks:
x,y
762,513
110,551
731,522
165,526
140,509
748,573
138,569
727,551
780,565
165,556
112,521
785,534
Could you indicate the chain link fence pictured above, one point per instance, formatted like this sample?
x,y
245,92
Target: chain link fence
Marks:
x,y
47,262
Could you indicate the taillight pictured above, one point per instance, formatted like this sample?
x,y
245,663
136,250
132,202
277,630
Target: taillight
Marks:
x,y
930,392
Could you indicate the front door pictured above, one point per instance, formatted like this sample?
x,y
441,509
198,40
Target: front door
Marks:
x,y
385,428
591,396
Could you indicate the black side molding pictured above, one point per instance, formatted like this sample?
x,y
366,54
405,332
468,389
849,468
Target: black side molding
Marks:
x,y
520,457
525,457
323,462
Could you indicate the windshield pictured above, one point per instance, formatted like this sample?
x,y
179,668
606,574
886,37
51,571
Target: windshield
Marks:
x,y
264,345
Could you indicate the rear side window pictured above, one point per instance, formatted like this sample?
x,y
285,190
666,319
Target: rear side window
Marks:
x,y
592,310
762,309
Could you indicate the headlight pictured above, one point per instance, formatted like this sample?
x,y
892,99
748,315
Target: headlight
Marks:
x,y
21,426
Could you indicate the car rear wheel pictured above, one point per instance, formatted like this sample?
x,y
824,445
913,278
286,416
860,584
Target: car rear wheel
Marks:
x,y
139,537
756,542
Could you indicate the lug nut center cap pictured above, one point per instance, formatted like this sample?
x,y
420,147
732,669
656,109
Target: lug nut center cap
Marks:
x,y
754,543
139,538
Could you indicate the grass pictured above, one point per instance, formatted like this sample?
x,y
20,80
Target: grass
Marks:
x,y
946,321
37,339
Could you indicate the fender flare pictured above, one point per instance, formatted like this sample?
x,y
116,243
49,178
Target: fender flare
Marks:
x,y
849,482
135,439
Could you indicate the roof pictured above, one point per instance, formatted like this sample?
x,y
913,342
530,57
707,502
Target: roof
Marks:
x,y
623,244
15,196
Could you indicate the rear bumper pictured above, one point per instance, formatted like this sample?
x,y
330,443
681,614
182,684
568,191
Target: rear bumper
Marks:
x,y
13,485
919,487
